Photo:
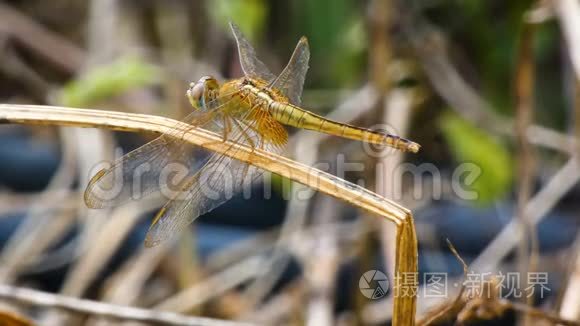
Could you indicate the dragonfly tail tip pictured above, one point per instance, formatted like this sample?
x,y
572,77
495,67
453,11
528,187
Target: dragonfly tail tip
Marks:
x,y
413,147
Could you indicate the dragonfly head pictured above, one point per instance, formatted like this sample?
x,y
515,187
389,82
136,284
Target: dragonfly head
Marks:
x,y
202,92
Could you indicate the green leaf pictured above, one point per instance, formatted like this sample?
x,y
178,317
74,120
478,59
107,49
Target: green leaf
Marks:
x,y
472,145
106,81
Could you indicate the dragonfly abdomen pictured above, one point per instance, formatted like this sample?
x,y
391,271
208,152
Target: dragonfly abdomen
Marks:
x,y
296,117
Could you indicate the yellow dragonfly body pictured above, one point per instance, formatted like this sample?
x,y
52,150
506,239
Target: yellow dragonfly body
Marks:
x,y
250,110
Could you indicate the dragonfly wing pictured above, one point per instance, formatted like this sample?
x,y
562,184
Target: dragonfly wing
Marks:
x,y
143,171
133,176
219,179
291,79
217,182
251,65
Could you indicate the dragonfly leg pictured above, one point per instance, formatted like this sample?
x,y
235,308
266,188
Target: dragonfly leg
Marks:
x,y
246,98
249,141
227,128
259,145
245,134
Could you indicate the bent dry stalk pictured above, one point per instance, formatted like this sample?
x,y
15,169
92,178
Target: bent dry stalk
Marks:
x,y
406,262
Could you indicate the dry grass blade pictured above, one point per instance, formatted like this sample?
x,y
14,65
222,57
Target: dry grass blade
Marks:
x,y
462,308
524,99
110,238
569,307
441,313
45,299
12,318
406,261
218,284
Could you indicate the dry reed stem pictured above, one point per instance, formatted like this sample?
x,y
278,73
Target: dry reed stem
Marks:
x,y
50,45
432,46
397,111
404,306
569,307
568,12
45,299
110,237
219,283
536,209
452,307
47,219
524,100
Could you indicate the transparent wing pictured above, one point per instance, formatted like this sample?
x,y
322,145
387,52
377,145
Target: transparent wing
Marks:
x,y
251,65
144,170
291,79
220,178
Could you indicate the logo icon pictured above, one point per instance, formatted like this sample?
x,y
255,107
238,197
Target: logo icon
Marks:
x,y
373,284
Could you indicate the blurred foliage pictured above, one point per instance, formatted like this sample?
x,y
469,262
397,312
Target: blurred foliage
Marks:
x,y
470,144
106,81
484,35
338,40
249,15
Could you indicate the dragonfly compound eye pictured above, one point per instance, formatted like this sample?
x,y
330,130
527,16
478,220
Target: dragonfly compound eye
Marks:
x,y
210,83
195,94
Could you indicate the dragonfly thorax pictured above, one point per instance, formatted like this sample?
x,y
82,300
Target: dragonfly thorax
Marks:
x,y
258,96
260,93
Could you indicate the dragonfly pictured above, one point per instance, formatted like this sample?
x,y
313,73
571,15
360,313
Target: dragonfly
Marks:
x,y
252,111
